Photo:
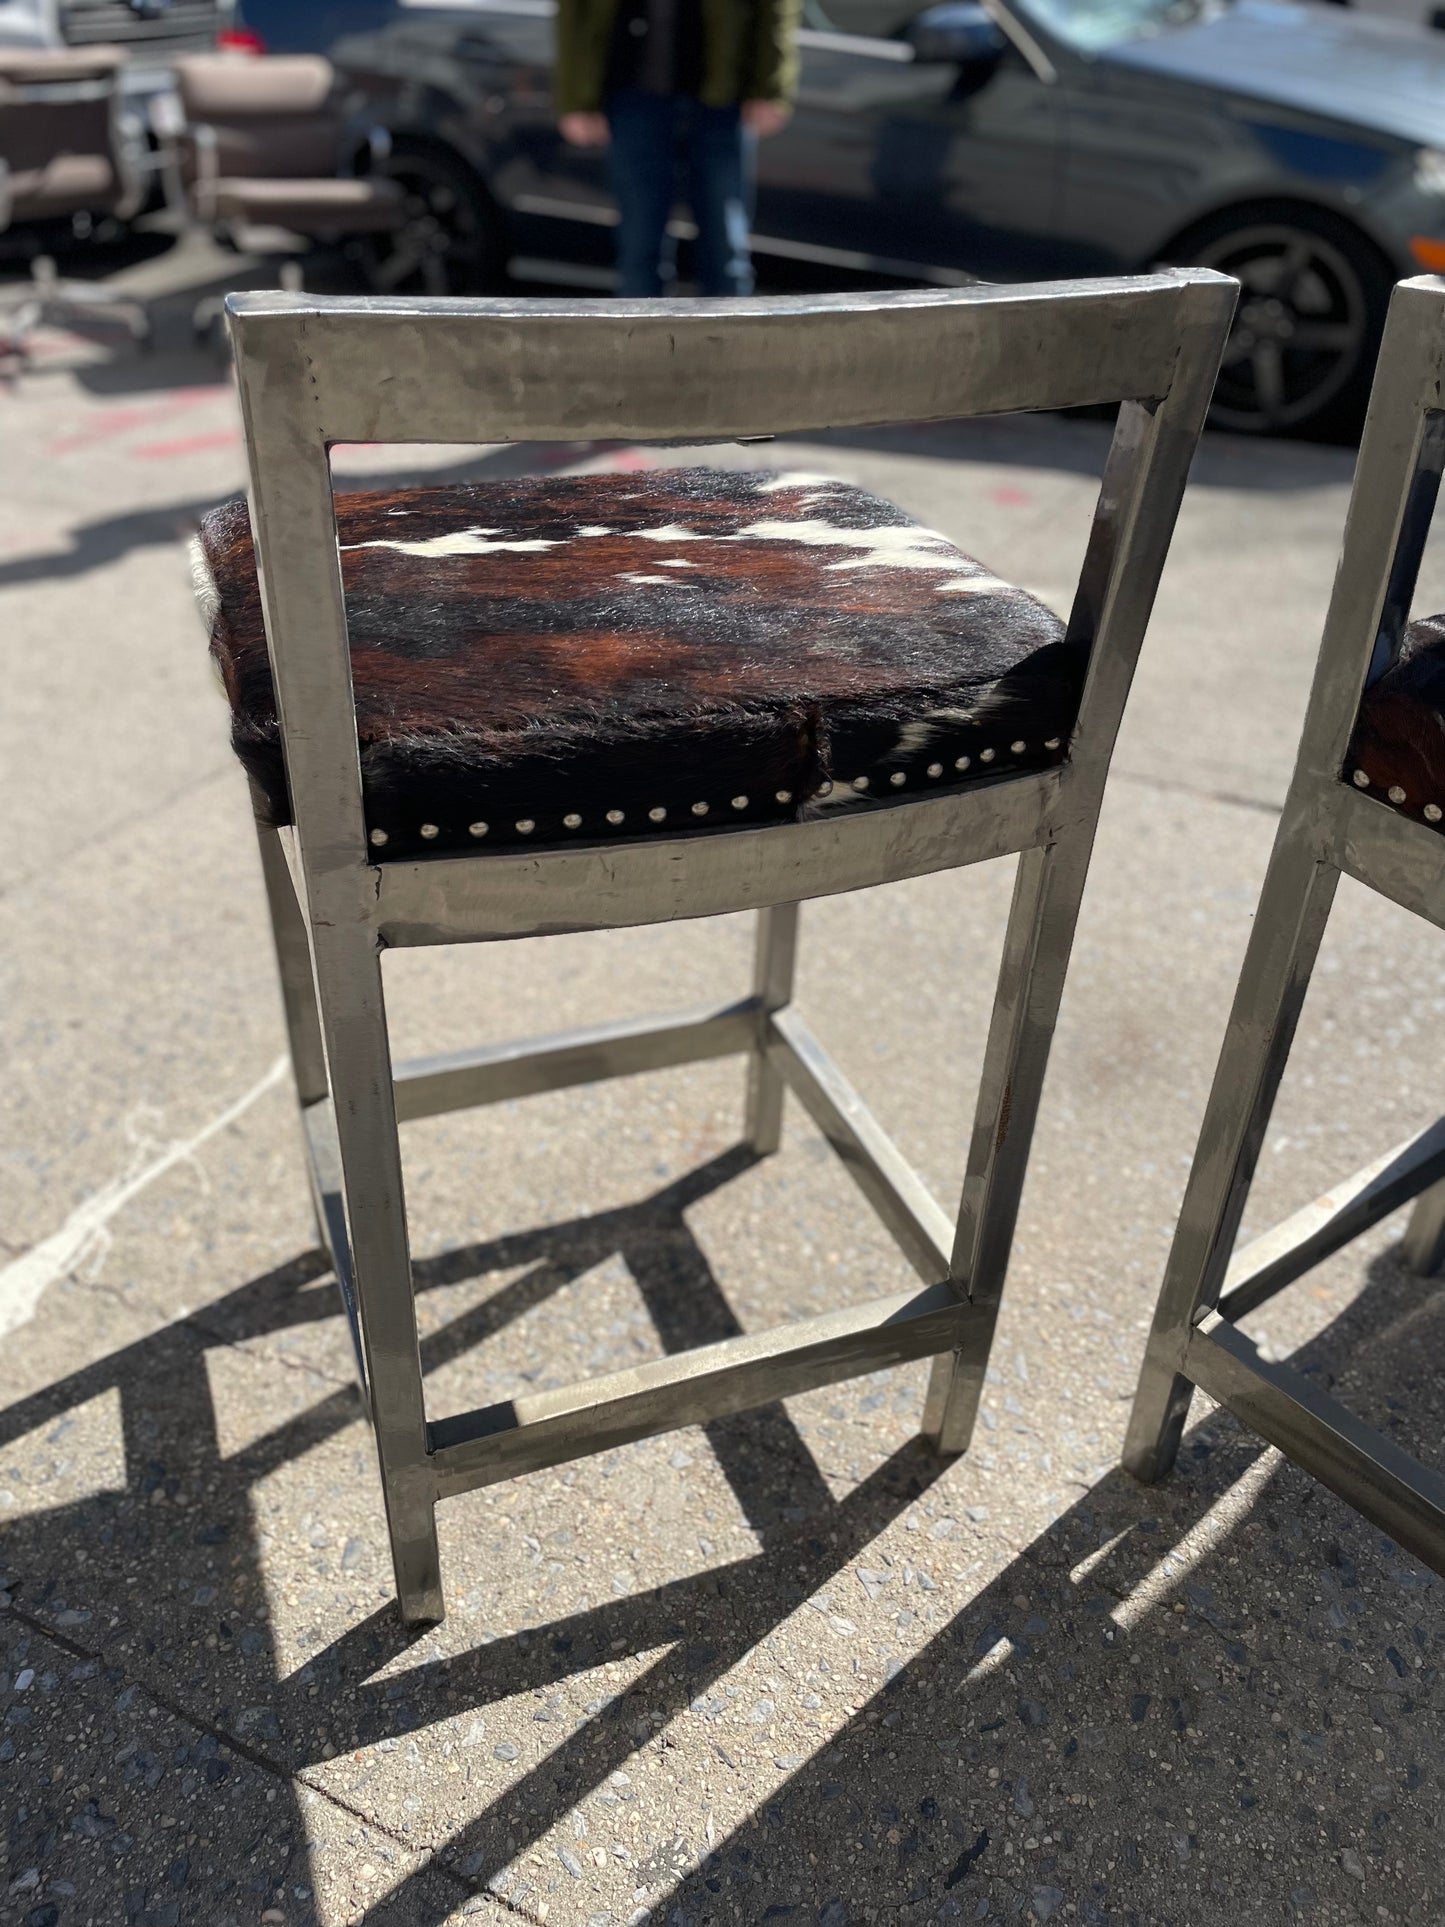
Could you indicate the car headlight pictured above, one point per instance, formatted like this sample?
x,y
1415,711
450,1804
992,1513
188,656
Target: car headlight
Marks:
x,y
1430,170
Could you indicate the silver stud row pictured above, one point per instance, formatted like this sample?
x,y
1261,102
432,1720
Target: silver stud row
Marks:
x,y
658,813
935,770
1432,812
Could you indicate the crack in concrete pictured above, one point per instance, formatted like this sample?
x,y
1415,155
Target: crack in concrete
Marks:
x,y
116,827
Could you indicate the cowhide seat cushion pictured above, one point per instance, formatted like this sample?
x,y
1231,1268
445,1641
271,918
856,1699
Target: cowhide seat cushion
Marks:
x,y
1397,752
603,656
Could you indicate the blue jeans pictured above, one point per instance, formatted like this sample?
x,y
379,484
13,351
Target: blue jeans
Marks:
x,y
649,132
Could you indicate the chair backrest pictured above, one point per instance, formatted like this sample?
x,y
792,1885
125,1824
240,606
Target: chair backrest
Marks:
x,y
58,136
313,371
271,118
1392,505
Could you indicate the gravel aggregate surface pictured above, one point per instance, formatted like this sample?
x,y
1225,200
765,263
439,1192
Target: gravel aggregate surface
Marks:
x,y
783,1667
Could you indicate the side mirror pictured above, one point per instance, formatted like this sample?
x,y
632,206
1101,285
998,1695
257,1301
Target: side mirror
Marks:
x,y
961,33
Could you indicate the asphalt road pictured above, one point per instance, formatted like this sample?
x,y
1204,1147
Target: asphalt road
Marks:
x,y
783,1667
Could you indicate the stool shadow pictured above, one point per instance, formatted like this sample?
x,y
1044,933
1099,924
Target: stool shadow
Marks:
x,y
770,1469
896,1809
1054,1673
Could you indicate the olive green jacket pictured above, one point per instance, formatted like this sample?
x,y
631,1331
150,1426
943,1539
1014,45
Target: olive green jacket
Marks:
x,y
749,52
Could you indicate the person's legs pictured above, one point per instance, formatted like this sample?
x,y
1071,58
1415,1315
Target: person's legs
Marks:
x,y
643,128
720,156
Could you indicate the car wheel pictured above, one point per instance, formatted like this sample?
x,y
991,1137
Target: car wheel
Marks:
x,y
1313,296
449,240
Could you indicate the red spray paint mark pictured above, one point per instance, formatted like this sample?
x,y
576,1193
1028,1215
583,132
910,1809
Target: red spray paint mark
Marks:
x,y
108,422
188,445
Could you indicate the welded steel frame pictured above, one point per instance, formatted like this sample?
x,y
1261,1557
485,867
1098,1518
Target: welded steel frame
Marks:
x,y
314,371
1329,828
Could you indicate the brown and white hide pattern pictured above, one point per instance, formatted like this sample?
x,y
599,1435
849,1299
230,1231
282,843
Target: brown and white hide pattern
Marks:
x,y
601,656
1397,753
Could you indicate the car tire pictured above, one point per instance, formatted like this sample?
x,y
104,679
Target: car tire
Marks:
x,y
1313,296
451,241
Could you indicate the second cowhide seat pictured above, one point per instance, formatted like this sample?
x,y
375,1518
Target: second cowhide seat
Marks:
x,y
607,656
1397,751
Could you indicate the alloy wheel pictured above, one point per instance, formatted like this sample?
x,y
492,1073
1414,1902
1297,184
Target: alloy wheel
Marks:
x,y
1299,331
441,245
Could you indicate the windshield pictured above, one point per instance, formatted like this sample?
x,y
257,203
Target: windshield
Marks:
x,y
1091,25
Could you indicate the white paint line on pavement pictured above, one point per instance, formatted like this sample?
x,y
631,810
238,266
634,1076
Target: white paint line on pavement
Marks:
x,y
24,1282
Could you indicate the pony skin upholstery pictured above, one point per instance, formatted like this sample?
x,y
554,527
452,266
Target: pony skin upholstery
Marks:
x,y
717,647
1398,746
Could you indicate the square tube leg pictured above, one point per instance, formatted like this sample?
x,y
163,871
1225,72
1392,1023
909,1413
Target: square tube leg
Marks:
x,y
353,1016
293,963
1040,935
1289,925
1423,1246
298,992
775,960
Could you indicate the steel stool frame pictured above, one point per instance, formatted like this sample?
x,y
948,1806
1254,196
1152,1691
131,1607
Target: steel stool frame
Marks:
x,y
315,371
1328,828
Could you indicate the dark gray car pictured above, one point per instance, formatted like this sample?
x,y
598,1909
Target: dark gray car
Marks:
x,y
1300,147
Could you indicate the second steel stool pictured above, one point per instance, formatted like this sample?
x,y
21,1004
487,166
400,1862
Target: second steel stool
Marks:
x,y
524,708
1367,800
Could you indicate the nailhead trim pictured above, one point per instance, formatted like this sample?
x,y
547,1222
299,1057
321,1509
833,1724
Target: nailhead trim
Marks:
x,y
1431,812
378,837
897,779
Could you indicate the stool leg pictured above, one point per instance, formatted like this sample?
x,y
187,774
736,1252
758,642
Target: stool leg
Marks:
x,y
293,962
1289,924
1423,1246
774,960
298,992
1040,935
353,1017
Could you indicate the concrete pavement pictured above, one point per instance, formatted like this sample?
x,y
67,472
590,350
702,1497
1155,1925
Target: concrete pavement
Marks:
x,y
782,1667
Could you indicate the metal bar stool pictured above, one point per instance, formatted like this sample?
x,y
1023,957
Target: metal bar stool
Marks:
x,y
1367,800
361,863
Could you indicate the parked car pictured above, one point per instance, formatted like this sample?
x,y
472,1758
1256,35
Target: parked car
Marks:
x,y
306,26
1298,146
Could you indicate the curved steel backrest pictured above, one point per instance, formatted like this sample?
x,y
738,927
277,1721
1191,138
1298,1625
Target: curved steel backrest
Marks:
x,y
1392,506
314,371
